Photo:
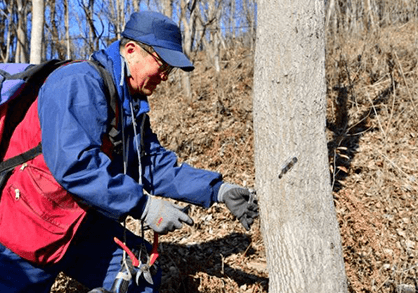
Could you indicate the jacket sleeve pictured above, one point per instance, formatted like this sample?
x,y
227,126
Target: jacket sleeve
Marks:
x,y
163,176
73,114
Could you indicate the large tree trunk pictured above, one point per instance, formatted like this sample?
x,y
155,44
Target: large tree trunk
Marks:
x,y
300,228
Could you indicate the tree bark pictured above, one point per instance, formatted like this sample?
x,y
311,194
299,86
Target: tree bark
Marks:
x,y
299,224
330,12
187,46
58,45
368,18
67,29
135,4
38,19
249,11
168,8
6,42
232,21
120,18
21,46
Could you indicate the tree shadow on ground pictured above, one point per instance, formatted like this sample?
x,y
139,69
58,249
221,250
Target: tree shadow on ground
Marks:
x,y
181,263
347,132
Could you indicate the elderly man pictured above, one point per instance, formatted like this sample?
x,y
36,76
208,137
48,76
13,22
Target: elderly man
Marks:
x,y
62,210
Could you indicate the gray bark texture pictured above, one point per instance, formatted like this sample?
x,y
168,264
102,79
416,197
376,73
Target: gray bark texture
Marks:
x,y
38,11
299,224
21,46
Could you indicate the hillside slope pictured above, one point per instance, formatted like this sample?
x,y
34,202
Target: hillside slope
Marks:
x,y
372,132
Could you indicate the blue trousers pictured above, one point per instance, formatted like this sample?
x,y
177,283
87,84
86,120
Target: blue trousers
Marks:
x,y
93,259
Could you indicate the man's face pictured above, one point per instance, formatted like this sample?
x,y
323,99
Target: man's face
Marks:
x,y
147,69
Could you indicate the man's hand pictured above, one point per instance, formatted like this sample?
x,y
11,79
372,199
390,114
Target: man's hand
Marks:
x,y
163,216
240,202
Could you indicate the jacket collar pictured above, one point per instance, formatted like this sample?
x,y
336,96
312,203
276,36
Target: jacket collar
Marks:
x,y
113,61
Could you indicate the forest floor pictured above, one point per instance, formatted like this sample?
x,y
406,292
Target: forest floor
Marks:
x,y
372,123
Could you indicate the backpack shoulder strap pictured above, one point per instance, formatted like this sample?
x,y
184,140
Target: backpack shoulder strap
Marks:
x,y
109,85
38,73
112,95
20,159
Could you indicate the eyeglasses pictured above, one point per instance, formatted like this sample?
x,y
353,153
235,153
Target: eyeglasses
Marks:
x,y
164,67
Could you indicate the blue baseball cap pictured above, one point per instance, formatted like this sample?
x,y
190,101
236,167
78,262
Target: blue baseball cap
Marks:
x,y
161,33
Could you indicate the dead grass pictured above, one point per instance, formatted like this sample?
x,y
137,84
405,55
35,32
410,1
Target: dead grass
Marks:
x,y
374,77
372,124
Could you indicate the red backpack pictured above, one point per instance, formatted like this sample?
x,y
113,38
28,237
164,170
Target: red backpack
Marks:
x,y
38,217
19,86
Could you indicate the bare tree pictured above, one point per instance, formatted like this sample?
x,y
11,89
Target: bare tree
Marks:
x,y
187,16
67,29
92,36
215,11
229,15
22,44
115,12
168,7
6,27
299,223
249,11
209,15
232,18
135,4
330,23
120,17
38,11
369,16
58,44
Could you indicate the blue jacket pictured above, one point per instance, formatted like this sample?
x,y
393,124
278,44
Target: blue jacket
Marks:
x,y
73,114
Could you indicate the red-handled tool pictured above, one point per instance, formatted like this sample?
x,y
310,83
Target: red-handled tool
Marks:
x,y
144,268
135,261
154,251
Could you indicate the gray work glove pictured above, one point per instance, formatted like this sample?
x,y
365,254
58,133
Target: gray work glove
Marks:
x,y
240,202
163,216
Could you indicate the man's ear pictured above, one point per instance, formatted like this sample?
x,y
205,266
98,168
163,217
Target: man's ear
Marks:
x,y
130,48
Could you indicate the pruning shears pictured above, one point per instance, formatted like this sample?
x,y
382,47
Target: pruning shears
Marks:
x,y
142,267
